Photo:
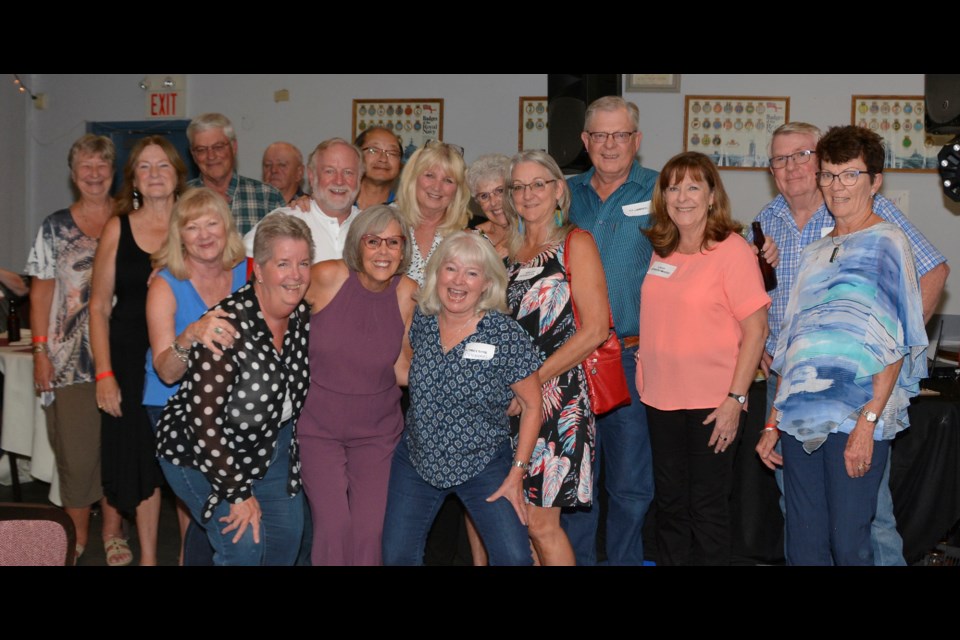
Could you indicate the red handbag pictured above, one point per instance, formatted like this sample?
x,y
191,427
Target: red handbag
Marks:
x,y
606,381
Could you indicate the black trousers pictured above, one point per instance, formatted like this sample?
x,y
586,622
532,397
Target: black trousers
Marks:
x,y
693,487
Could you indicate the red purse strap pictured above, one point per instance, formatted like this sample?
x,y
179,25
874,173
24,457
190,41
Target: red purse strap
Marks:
x,y
569,276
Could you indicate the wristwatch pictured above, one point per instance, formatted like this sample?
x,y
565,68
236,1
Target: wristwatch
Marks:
x,y
521,465
740,399
869,416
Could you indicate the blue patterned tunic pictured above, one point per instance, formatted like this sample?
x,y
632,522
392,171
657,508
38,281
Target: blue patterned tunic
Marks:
x,y
847,320
457,420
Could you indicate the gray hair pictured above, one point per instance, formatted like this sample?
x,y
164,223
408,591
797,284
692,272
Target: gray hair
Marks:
x,y
556,233
469,248
275,226
374,220
208,121
802,128
489,167
326,144
612,103
93,145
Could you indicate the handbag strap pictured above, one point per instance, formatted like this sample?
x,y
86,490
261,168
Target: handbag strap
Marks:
x,y
569,275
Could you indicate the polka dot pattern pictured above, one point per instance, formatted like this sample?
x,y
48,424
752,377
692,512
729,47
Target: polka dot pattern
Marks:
x,y
225,418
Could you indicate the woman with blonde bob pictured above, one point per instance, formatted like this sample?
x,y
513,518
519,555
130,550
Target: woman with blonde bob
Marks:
x,y
201,263
467,358
433,200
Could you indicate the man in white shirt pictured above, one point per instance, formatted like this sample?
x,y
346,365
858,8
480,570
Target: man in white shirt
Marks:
x,y
334,171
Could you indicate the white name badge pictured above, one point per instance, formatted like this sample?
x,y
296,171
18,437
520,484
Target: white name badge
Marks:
x,y
478,351
637,209
528,272
825,231
661,269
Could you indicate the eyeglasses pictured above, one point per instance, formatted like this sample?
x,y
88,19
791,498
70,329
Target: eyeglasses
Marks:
x,y
620,137
484,196
800,157
848,178
436,144
376,151
373,242
537,186
216,149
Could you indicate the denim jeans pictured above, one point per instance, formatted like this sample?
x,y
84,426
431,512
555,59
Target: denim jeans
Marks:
x,y
623,447
281,522
884,537
413,503
828,512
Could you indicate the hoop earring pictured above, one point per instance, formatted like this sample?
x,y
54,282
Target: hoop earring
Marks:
x,y
558,217
137,199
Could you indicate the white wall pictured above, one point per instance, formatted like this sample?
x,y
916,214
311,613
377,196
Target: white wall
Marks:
x,y
480,114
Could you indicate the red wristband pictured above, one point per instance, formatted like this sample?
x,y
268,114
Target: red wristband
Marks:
x,y
101,376
37,339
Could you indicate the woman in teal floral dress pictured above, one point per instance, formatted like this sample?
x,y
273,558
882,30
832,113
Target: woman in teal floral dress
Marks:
x,y
539,295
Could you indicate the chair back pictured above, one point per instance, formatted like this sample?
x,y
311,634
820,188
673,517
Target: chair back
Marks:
x,y
36,535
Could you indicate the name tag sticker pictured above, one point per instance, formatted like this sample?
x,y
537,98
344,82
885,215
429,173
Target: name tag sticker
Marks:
x,y
528,272
662,269
825,231
637,209
478,351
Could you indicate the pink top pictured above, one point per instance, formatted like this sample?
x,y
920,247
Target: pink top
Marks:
x,y
690,313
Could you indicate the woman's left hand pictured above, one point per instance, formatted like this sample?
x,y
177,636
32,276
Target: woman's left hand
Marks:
x,y
512,490
727,420
858,454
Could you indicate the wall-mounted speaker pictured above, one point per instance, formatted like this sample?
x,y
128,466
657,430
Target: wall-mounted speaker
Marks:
x,y
569,96
942,94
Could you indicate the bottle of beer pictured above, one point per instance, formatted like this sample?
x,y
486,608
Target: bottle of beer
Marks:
x,y
769,274
13,322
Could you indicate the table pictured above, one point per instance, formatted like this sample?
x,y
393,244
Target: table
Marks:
x,y
24,423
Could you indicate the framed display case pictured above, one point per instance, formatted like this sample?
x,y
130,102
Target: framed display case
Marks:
x,y
899,121
734,131
532,128
415,120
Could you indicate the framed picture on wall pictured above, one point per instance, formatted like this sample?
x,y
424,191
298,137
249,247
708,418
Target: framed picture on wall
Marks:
x,y
532,131
645,82
899,121
415,120
734,131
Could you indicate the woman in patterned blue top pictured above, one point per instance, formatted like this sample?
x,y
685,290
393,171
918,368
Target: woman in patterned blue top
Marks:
x,y
851,354
469,359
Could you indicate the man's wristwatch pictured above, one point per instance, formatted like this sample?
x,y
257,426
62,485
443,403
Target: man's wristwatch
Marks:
x,y
740,399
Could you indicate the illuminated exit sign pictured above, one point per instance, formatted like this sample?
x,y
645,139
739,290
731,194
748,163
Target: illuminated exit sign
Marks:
x,y
166,96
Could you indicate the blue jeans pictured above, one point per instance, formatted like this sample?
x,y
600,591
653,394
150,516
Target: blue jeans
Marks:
x,y
884,537
281,522
413,503
828,512
623,447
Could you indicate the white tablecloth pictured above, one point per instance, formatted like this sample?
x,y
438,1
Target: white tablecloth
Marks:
x,y
24,423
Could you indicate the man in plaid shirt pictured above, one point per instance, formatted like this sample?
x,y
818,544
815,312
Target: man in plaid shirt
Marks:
x,y
798,217
213,144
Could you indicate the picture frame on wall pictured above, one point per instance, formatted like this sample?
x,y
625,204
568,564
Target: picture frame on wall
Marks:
x,y
899,120
734,131
414,120
652,82
533,125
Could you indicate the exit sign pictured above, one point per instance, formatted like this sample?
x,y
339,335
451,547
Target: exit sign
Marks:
x,y
166,96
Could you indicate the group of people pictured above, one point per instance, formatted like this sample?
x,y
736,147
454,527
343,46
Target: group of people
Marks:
x,y
267,391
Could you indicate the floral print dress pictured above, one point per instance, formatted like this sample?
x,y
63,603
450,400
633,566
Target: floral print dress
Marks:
x,y
560,473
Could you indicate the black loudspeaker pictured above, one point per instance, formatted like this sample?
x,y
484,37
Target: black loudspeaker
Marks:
x,y
942,94
569,96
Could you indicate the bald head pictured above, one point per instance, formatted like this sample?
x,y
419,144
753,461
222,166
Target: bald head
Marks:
x,y
283,168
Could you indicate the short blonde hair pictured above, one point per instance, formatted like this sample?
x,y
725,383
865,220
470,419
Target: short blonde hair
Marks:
x,y
192,205
275,226
468,248
435,154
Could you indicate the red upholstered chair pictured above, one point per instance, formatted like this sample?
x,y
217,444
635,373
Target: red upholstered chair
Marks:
x,y
36,534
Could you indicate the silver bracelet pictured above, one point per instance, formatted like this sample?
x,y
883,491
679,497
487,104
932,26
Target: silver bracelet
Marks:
x,y
182,353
